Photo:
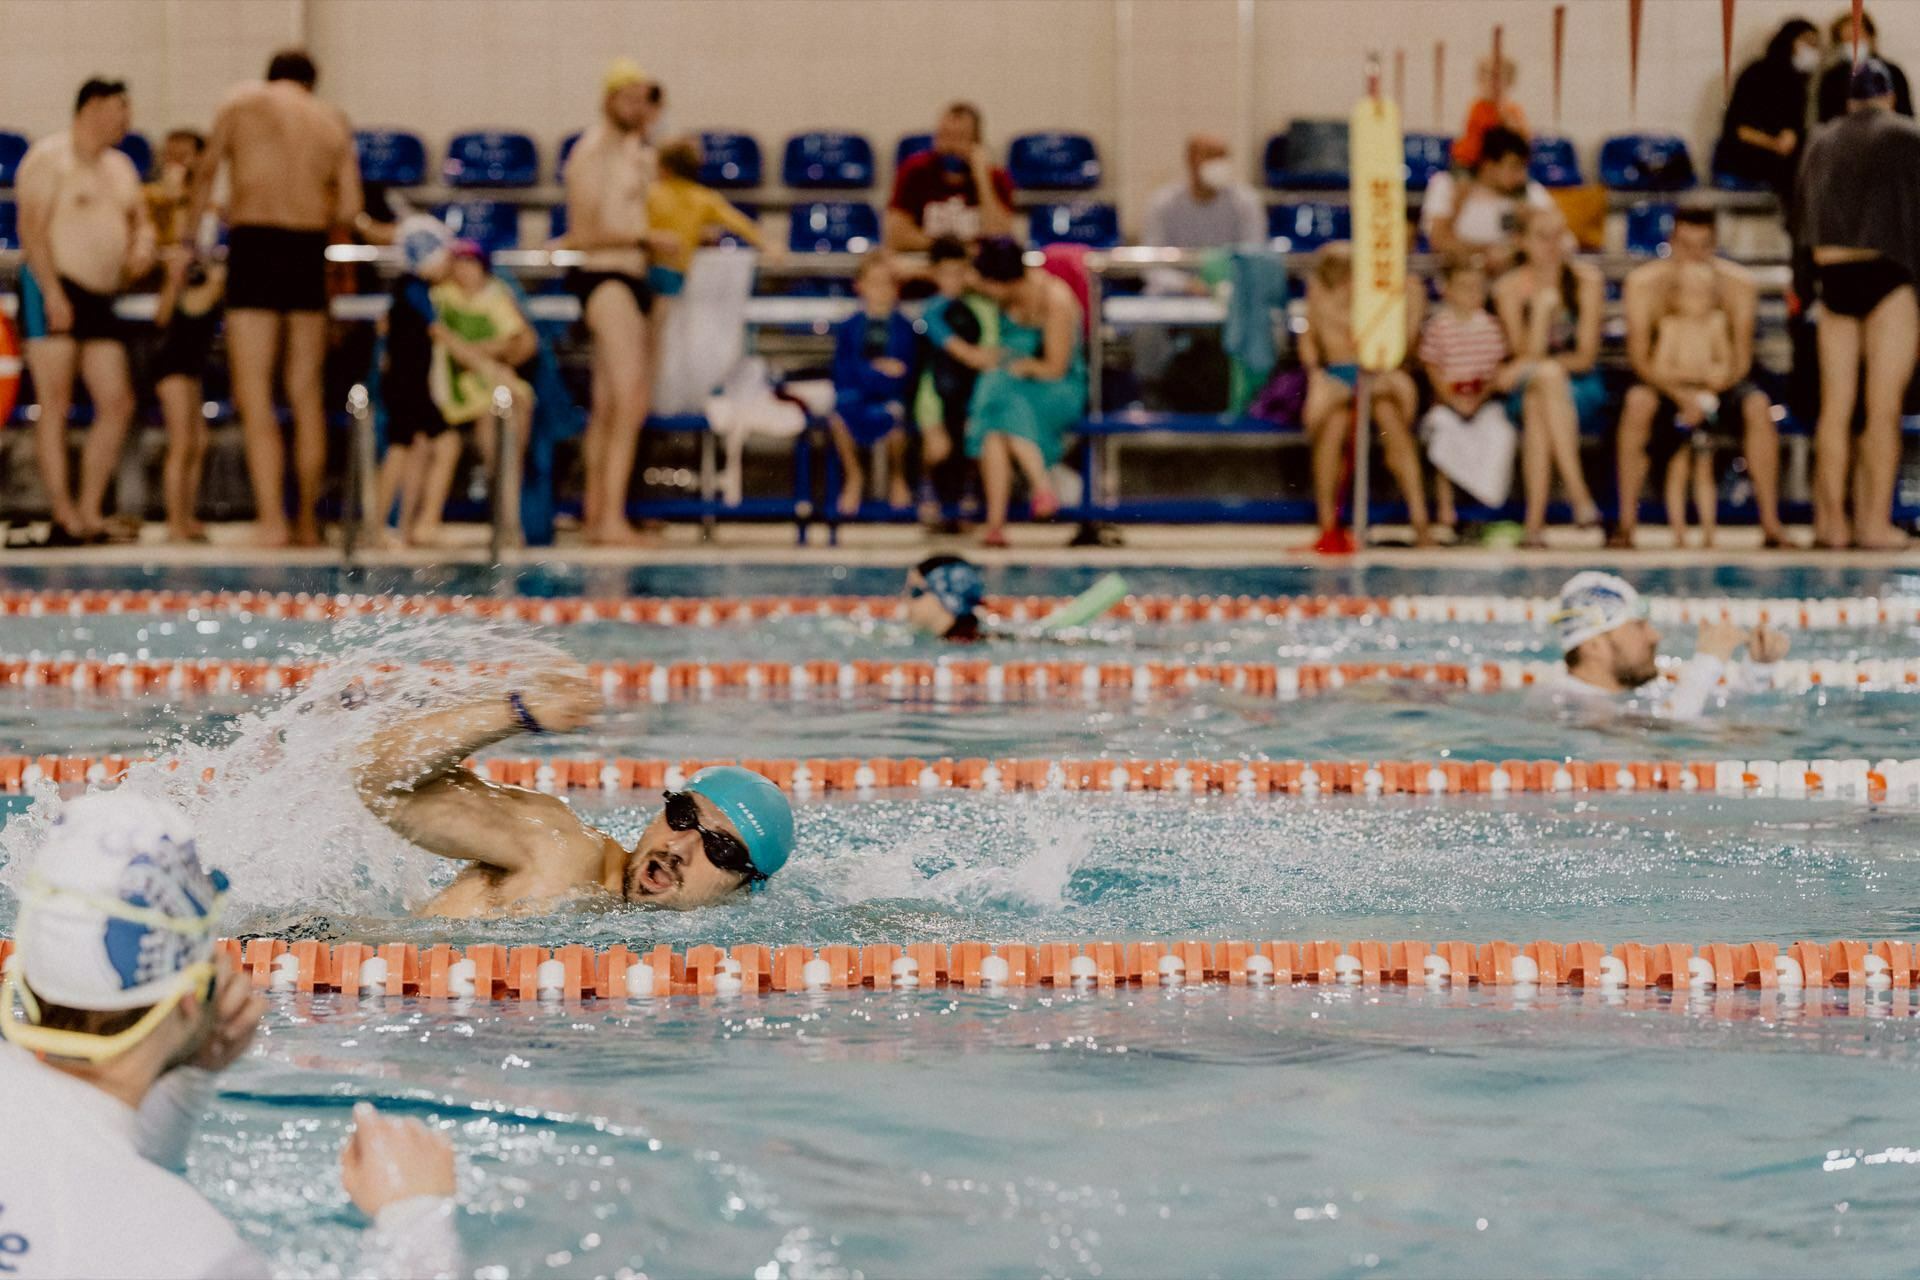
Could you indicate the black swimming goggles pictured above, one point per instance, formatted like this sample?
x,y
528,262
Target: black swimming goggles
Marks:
x,y
723,851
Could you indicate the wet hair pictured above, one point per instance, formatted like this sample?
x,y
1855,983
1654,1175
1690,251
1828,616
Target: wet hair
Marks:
x,y
947,249
1500,142
198,139
972,113
1696,214
681,158
87,1022
1780,48
294,65
95,89
1000,259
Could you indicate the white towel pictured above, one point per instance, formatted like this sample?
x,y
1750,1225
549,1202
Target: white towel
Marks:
x,y
706,330
1475,453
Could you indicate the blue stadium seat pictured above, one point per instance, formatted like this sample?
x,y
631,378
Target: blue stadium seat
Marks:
x,y
833,226
567,144
1054,162
1310,156
491,160
1733,182
1095,225
9,225
137,149
1554,162
826,160
494,223
1649,226
730,161
1427,154
557,221
911,144
391,156
1307,225
1646,162
13,148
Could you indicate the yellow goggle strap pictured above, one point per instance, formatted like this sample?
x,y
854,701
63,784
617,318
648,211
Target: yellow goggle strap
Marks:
x,y
55,1043
38,890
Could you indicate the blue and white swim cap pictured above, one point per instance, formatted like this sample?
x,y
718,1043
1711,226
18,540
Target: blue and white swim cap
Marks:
x,y
420,237
955,583
116,905
1592,604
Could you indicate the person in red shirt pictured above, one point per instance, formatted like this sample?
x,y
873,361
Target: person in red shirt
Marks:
x,y
953,190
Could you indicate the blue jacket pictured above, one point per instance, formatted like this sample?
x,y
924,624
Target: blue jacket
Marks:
x,y
853,371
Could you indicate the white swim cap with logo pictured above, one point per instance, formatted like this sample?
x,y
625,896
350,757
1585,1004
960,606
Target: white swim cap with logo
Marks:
x,y
116,906
1592,604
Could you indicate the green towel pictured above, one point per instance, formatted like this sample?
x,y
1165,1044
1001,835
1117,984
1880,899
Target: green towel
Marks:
x,y
1259,288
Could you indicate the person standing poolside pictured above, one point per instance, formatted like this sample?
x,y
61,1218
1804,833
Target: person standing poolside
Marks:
x,y
84,232
293,177
126,1017
609,173
728,829
188,318
1857,215
1612,653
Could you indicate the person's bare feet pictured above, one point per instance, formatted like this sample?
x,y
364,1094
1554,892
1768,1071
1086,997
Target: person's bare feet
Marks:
x,y
306,532
993,538
852,492
270,533
1887,539
900,494
186,533
620,534
1044,505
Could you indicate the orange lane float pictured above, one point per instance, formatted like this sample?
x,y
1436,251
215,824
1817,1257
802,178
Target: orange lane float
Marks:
x,y
1797,613
1858,779
124,678
491,972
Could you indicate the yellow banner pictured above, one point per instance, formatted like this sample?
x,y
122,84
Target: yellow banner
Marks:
x,y
1377,164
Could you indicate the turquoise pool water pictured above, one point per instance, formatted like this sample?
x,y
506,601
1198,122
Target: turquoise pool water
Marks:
x,y
1309,1131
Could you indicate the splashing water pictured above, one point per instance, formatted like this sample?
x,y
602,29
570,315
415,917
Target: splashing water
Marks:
x,y
272,794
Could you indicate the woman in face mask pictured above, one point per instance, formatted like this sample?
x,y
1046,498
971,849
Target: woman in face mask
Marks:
x,y
1761,137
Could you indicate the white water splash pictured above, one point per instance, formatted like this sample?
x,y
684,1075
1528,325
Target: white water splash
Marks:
x,y
1053,845
272,797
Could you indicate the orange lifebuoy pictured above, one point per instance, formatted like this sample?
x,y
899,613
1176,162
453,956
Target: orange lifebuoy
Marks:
x,y
10,367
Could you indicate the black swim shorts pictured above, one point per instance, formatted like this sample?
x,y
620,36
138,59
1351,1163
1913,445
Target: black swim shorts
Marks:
x,y
276,269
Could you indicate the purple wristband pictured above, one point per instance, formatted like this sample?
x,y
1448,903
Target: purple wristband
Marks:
x,y
522,716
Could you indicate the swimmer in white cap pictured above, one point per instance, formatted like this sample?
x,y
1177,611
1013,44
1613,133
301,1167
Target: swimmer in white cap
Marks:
x,y
725,831
1612,650
117,1015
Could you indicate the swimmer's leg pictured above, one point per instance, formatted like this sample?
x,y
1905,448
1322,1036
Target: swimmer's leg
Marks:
x,y
1839,339
1892,333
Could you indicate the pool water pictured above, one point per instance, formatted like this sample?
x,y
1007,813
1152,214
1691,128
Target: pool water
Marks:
x,y
1227,1132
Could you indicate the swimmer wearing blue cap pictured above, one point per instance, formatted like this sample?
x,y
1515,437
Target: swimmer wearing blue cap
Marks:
x,y
944,594
726,830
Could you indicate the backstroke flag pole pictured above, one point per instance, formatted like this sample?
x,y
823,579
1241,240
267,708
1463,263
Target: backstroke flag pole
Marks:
x,y
1633,57
1726,48
1376,165
1440,86
1559,55
1859,28
1400,78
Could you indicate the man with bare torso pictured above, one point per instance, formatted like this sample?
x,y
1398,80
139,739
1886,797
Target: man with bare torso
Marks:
x,y
608,174
85,233
727,829
293,176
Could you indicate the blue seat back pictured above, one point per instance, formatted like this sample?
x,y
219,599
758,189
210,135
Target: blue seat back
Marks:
x,y
833,226
491,159
13,149
136,148
1306,225
1054,162
828,159
730,161
9,225
1554,162
1649,227
557,220
391,156
911,144
1093,224
1646,162
567,144
1427,154
1734,182
495,224
1310,156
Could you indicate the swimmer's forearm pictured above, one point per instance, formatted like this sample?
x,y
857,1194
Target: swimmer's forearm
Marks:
x,y
406,756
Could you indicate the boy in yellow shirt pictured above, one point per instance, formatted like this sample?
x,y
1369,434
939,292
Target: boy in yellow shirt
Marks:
x,y
679,203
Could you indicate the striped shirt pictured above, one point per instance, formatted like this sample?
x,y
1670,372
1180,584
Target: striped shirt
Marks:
x,y
1465,350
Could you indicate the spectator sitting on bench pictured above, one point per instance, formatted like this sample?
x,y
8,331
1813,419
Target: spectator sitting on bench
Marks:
x,y
1477,213
962,337
1551,307
1646,293
872,359
1692,354
1327,350
480,339
1463,350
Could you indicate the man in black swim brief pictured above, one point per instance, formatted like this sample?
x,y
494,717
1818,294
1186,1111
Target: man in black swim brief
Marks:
x,y
278,269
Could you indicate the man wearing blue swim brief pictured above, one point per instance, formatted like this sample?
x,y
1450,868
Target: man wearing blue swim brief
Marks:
x,y
728,829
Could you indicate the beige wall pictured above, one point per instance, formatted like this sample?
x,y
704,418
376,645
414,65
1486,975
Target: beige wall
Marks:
x,y
1137,74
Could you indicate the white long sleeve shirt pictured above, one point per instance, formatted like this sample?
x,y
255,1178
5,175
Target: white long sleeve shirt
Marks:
x,y
90,1187
1686,697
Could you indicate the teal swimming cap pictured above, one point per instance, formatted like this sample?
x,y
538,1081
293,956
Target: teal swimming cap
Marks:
x,y
757,809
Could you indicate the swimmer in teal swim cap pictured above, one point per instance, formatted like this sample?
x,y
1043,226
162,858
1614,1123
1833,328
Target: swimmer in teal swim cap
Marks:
x,y
944,594
726,830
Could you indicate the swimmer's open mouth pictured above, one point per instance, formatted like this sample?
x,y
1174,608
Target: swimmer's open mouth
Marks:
x,y
650,878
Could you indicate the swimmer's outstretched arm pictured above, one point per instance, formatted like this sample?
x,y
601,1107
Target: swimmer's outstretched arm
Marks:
x,y
412,778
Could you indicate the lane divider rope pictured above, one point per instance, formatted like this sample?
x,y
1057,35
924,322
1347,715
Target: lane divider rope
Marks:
x,y
124,677
695,611
494,972
1855,779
